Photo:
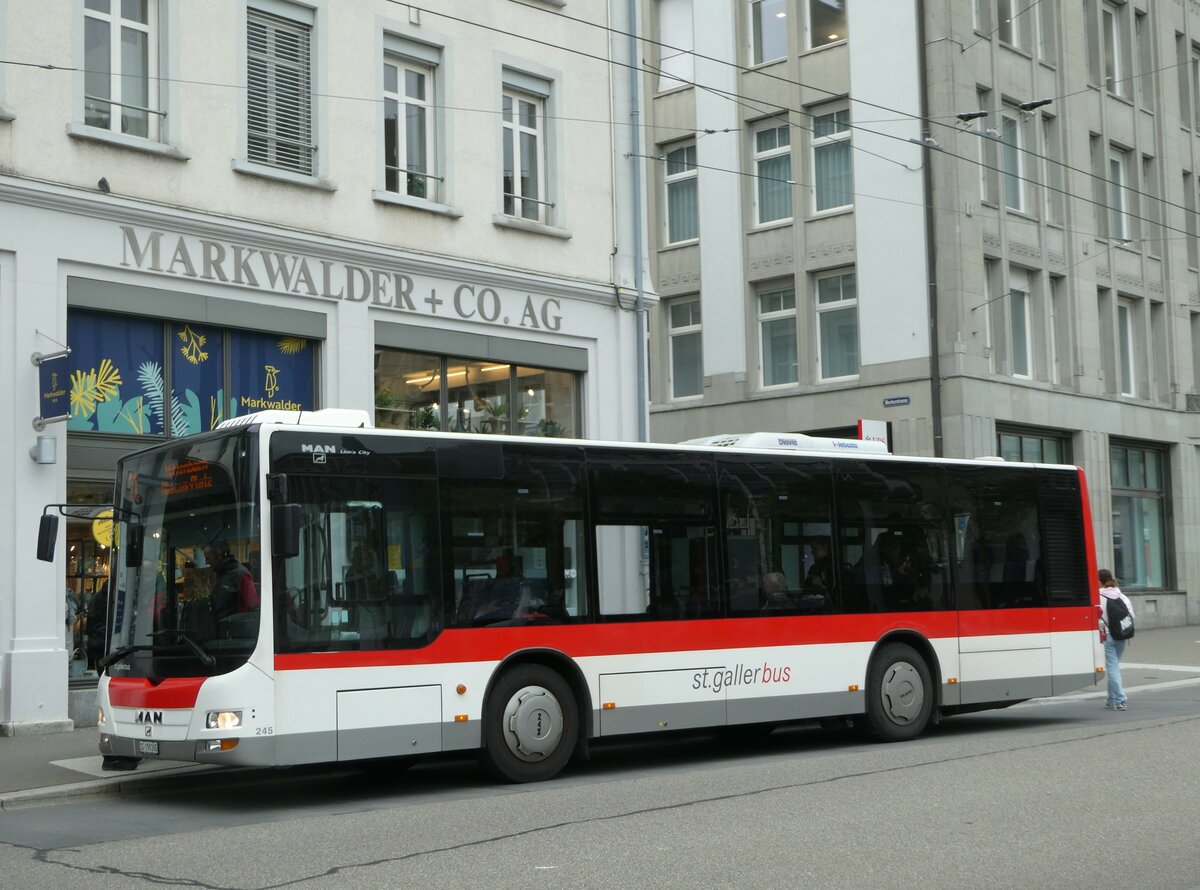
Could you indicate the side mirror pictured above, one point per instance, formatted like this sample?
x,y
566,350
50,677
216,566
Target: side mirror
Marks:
x,y
47,537
136,535
285,530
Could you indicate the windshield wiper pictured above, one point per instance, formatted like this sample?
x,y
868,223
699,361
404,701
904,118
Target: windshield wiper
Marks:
x,y
205,659
117,654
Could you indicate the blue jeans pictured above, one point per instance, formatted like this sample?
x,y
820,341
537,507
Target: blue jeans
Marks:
x,y
1113,650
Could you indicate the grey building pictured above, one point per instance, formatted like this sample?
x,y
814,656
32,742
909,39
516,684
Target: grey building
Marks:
x,y
864,210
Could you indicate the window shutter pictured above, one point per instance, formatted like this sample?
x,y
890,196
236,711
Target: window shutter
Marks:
x,y
279,79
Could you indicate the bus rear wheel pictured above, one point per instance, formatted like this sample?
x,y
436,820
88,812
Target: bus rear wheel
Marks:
x,y
900,694
531,724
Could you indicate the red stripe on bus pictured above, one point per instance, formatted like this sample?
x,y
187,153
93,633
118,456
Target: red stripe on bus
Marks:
x,y
1089,543
131,692
656,637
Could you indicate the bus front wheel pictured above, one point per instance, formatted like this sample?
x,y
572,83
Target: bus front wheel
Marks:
x,y
900,693
531,724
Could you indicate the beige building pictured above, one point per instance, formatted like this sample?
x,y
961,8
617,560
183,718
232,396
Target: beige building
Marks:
x,y
863,210
226,206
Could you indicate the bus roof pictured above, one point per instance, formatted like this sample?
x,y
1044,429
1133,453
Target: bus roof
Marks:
x,y
796,443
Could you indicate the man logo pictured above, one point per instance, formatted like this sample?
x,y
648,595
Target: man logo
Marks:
x,y
149,717
306,448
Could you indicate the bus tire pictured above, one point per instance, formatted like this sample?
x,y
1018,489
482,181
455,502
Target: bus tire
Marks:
x,y
900,693
531,725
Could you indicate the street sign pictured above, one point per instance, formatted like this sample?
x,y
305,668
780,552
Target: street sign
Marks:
x,y
896,401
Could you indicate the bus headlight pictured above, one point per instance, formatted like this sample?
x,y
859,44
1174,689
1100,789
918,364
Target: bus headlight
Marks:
x,y
223,720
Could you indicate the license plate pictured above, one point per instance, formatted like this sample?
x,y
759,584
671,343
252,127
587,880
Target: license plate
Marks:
x,y
148,748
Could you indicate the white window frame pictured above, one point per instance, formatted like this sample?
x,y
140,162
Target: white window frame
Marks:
x,y
1012,180
676,44
1126,332
829,140
1053,189
305,143
516,204
1019,303
689,173
768,314
814,40
831,307
1112,48
693,327
1009,27
1118,194
782,148
755,8
1054,307
151,28
418,183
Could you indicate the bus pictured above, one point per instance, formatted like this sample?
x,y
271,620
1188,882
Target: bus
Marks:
x,y
298,587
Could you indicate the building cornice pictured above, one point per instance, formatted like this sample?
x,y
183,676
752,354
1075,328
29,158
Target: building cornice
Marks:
x,y
186,221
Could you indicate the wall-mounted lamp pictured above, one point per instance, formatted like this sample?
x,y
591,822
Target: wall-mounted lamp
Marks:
x,y
45,451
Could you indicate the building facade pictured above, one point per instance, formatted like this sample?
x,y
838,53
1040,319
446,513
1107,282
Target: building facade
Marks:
x,y
255,204
866,211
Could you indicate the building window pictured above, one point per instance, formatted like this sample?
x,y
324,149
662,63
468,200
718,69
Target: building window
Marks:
x,y
989,187
833,177
768,30
1152,206
1052,159
409,124
419,391
1019,322
1011,27
1126,347
1112,31
687,370
279,80
837,325
676,62
683,210
1139,507
826,22
120,82
1046,32
1033,447
777,324
145,377
524,176
1012,162
1118,194
773,169
1143,41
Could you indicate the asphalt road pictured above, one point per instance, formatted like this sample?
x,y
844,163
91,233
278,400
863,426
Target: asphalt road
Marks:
x,y
1061,794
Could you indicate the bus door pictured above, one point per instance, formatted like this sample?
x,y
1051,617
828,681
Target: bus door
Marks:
x,y
1003,614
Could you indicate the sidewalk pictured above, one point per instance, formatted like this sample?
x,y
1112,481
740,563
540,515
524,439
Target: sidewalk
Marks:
x,y
39,768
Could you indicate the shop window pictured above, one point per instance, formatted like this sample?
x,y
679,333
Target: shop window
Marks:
x,y
417,391
1140,506
88,545
269,371
117,383
144,377
1033,447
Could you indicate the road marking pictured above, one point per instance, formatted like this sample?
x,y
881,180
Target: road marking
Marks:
x,y
1186,668
1129,690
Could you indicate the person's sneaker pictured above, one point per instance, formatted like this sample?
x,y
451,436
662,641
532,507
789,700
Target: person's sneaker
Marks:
x,y
1110,706
1122,706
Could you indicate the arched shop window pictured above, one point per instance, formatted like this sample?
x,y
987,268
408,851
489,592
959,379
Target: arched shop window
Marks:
x,y
146,377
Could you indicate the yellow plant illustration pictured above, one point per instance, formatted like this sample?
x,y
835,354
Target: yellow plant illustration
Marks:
x,y
215,413
193,344
292,345
90,388
132,415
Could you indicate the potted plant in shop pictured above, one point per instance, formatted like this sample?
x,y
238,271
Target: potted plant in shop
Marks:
x,y
424,418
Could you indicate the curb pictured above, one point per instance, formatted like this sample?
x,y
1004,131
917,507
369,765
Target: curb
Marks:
x,y
176,778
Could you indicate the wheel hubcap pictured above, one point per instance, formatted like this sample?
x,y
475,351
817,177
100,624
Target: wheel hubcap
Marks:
x,y
533,723
902,692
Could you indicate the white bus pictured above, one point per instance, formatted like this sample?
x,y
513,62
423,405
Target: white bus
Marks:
x,y
298,588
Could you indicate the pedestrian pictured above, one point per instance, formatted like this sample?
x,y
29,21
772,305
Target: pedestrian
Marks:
x,y
1113,649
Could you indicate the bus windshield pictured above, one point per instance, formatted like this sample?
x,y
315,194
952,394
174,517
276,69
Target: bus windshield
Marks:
x,y
190,607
